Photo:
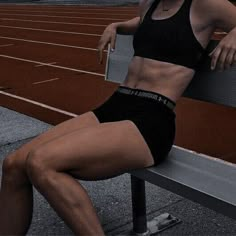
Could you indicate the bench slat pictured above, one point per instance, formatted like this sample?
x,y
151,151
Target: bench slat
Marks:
x,y
118,61
208,181
213,86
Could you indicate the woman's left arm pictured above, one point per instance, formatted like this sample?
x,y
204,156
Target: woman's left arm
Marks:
x,y
223,14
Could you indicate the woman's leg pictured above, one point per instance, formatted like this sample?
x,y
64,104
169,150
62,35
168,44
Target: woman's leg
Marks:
x,y
95,153
16,191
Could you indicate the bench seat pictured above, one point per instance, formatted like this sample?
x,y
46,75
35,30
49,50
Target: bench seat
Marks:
x,y
203,179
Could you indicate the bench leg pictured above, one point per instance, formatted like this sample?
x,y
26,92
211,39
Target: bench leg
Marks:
x,y
139,206
140,225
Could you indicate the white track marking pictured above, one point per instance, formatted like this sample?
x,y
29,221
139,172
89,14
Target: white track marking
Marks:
x,y
6,45
39,104
52,22
65,17
60,67
46,81
46,64
54,31
68,12
54,44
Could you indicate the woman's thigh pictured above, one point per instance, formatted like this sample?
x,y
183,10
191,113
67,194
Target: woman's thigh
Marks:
x,y
93,153
17,159
87,119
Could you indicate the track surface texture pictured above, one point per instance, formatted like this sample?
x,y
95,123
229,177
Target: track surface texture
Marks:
x,y
50,71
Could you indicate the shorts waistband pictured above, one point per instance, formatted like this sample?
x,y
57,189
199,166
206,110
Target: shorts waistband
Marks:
x,y
147,94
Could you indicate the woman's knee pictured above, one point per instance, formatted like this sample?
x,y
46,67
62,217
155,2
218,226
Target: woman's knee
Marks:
x,y
13,169
37,167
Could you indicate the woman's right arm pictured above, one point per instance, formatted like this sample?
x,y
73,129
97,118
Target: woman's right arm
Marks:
x,y
126,27
109,34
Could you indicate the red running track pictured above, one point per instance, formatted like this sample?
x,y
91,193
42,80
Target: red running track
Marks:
x,y
50,71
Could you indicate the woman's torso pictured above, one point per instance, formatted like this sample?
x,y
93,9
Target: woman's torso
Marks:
x,y
163,77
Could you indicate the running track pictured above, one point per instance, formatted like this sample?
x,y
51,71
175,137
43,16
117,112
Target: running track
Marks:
x,y
50,71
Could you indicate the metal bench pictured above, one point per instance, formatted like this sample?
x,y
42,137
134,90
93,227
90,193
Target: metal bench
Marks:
x,y
200,178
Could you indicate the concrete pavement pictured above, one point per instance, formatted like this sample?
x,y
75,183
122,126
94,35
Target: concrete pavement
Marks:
x,y
112,197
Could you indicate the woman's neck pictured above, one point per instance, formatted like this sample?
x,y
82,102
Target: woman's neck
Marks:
x,y
168,4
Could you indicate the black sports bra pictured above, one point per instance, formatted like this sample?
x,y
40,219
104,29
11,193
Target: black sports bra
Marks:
x,y
170,40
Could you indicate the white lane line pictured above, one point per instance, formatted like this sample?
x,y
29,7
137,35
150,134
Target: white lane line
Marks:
x,y
65,17
54,44
52,22
46,64
69,12
60,67
39,104
54,31
6,45
46,81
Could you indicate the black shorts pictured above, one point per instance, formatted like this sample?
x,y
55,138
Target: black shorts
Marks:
x,y
154,119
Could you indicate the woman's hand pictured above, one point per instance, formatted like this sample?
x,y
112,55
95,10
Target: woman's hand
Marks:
x,y
224,55
108,36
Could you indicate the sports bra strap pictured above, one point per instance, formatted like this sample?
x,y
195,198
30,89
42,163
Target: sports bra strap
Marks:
x,y
150,10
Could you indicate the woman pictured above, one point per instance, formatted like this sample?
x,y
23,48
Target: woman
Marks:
x,y
134,129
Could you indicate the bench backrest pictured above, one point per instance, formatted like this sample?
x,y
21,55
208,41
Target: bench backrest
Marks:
x,y
210,86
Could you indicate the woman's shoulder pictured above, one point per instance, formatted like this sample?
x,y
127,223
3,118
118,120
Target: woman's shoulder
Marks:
x,y
221,13
144,6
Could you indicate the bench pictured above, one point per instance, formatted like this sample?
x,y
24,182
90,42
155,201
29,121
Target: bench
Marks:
x,y
200,178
